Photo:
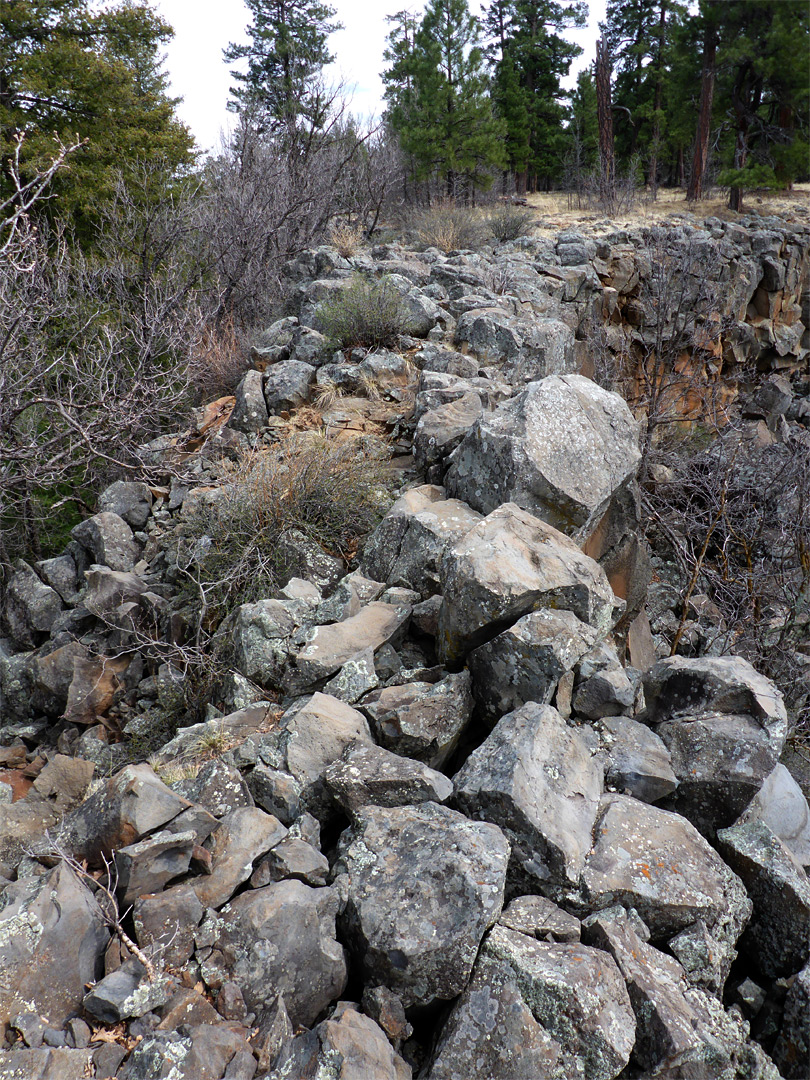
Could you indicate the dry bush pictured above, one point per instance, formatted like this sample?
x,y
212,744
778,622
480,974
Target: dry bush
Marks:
x,y
449,226
219,361
346,237
242,547
509,222
368,313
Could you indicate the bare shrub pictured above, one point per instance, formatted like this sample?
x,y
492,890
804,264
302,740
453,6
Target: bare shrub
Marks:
x,y
449,226
219,360
331,492
346,237
509,222
368,313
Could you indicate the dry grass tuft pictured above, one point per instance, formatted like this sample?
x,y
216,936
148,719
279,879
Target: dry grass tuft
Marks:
x,y
346,237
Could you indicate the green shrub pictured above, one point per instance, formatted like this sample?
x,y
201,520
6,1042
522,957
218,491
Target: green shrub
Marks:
x,y
366,313
507,222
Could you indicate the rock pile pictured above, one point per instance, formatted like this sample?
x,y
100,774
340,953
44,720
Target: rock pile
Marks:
x,y
449,815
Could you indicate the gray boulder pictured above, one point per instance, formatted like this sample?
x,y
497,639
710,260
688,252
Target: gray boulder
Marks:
x,y
560,450
637,761
407,546
148,865
250,410
440,430
131,500
109,540
276,940
242,837
792,1050
577,994
370,774
424,884
287,385
778,936
523,349
681,686
781,804
422,720
539,918
535,778
30,608
527,660
508,565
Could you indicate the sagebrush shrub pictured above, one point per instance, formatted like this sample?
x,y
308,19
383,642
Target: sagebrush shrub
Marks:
x,y
449,226
368,313
507,222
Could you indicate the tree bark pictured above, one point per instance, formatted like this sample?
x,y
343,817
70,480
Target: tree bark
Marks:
x,y
607,174
701,155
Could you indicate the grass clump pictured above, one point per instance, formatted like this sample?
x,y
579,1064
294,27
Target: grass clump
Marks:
x,y
368,314
449,226
246,544
346,237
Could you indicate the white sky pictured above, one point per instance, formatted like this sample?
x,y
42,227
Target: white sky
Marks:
x,y
204,27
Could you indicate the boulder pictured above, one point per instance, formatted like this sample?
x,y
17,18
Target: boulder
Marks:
x,y
539,918
686,686
145,867
778,936
535,778
507,566
242,838
527,660
371,774
131,500
30,607
791,1052
52,940
291,858
126,992
439,431
109,540
287,385
637,761
560,450
167,921
261,635
276,940
424,884
407,546
781,804
577,994
523,349
250,410
422,720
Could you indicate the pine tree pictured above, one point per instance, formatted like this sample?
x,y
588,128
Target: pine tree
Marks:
x,y
68,68
286,53
448,126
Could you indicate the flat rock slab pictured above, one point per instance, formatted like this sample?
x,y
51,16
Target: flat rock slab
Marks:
x,y
577,994
683,686
424,884
511,564
559,450
539,918
525,662
658,863
536,779
371,774
778,937
276,940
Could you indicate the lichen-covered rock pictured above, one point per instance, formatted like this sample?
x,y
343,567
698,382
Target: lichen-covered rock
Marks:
x,y
637,761
440,430
276,940
250,410
792,1050
30,608
424,884
682,687
526,661
535,778
577,994
778,936
109,540
371,774
287,384
539,918
507,566
560,450
781,804
130,499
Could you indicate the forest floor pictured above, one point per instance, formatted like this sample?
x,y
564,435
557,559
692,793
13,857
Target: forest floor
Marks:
x,y
560,209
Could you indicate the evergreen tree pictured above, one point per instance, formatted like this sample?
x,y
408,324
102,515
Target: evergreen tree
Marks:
x,y
447,124
530,57
287,51
582,155
67,68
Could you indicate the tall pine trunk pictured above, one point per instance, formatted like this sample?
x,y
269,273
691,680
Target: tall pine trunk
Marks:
x,y
604,107
700,158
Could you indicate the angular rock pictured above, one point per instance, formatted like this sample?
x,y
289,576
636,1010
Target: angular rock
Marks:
x,y
792,1050
526,662
560,450
370,774
659,864
242,837
507,566
407,546
539,918
291,858
721,762
781,804
126,992
61,574
167,921
250,410
52,941
424,884
607,693
535,778
422,720
62,1063
131,500
219,787
106,590
524,349
327,648
638,762
30,608
778,936
355,679
261,635
348,1041
286,385
150,864
578,995
277,940
682,686
439,431
202,1052
109,540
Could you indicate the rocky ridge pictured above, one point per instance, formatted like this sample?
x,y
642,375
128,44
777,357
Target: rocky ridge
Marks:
x,y
455,810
